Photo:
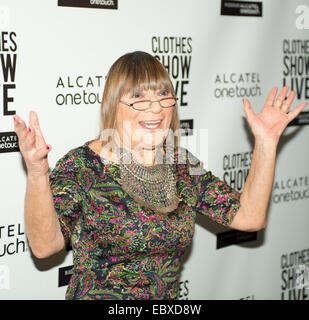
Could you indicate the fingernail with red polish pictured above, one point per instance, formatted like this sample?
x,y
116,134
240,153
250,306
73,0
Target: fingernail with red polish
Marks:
x,y
47,147
29,129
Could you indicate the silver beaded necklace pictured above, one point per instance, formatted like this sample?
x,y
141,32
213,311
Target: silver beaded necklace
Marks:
x,y
152,186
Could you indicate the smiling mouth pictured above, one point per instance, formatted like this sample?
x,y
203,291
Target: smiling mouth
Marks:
x,y
151,124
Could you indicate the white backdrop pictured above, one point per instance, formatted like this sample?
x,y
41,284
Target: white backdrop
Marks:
x,y
214,60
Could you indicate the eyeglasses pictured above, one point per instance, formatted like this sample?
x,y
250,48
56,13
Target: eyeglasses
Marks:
x,y
145,104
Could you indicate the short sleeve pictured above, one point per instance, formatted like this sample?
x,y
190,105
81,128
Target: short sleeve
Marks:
x,y
67,193
215,198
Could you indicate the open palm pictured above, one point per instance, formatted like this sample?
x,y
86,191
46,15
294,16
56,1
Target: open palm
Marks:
x,y
32,144
275,116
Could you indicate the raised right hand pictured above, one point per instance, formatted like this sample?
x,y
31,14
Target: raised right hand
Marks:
x,y
32,145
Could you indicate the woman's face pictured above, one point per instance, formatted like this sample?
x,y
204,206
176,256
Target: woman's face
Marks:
x,y
132,124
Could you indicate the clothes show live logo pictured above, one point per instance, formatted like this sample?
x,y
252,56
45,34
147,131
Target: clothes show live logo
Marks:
x,y
175,55
295,275
236,168
296,73
99,4
8,61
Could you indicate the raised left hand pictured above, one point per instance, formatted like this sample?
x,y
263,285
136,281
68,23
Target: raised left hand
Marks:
x,y
269,124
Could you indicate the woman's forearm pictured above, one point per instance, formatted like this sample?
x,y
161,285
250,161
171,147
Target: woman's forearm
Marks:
x,y
258,186
42,226
267,127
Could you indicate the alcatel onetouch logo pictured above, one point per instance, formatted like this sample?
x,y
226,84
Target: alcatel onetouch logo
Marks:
x,y
98,4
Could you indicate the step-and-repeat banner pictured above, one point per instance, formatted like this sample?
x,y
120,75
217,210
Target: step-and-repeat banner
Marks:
x,y
54,57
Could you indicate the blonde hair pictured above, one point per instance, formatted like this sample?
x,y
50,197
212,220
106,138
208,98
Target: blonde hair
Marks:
x,y
134,71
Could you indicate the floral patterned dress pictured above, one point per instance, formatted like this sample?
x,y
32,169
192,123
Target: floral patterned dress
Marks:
x,y
121,249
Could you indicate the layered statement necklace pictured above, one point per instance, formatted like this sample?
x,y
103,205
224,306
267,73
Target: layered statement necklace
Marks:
x,y
152,186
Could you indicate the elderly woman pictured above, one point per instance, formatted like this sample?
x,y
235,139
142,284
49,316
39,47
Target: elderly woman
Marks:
x,y
127,200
